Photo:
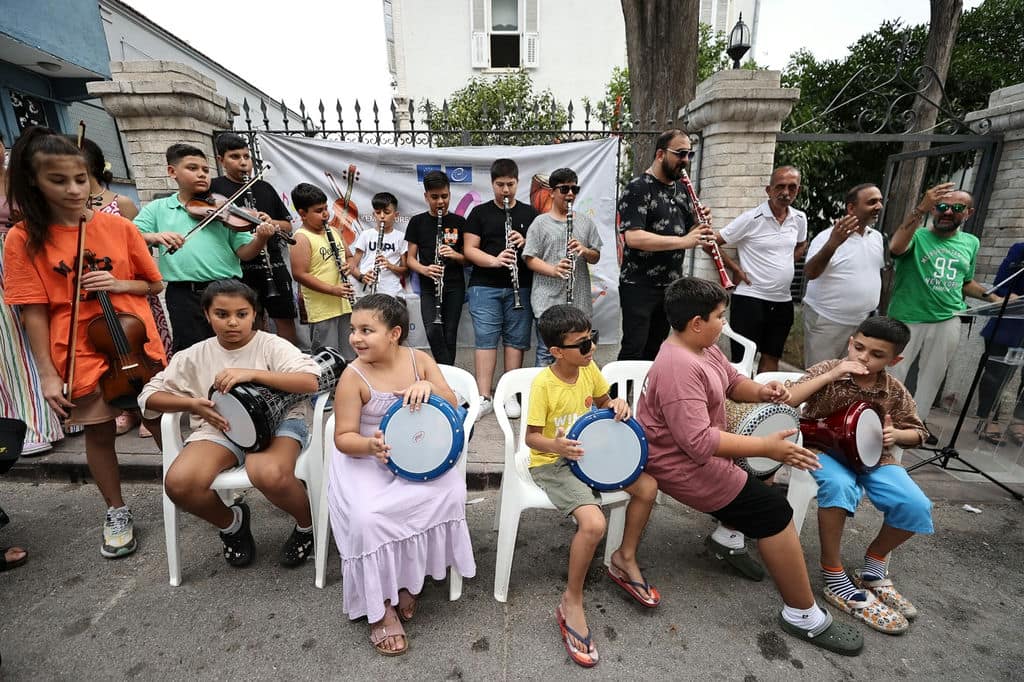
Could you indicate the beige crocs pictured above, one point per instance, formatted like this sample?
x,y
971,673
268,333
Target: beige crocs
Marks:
x,y
884,590
872,611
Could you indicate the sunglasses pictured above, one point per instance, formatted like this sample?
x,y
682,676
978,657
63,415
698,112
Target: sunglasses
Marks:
x,y
957,208
688,153
565,189
585,345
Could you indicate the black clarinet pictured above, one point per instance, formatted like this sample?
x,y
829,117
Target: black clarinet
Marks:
x,y
516,303
570,281
438,260
351,296
270,289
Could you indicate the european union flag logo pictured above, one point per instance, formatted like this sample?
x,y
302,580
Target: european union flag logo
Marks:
x,y
460,174
424,168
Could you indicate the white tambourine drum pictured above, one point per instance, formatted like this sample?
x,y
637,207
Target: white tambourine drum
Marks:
x,y
760,419
425,443
614,452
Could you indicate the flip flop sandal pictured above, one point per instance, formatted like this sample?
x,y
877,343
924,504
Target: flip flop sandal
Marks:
x,y
838,638
585,659
633,588
739,559
406,613
379,633
884,590
872,611
6,565
125,422
996,437
1017,433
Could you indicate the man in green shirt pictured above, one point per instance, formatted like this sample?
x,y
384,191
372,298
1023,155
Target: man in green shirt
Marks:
x,y
934,272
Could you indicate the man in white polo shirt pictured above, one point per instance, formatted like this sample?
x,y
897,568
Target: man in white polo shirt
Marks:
x,y
768,239
844,280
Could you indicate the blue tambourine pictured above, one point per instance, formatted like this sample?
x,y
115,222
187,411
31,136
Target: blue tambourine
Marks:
x,y
424,444
614,452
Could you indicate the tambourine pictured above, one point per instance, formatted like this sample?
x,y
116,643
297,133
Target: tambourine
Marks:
x,y
425,443
614,452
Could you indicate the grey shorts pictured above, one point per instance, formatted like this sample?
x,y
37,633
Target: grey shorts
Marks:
x,y
294,428
563,488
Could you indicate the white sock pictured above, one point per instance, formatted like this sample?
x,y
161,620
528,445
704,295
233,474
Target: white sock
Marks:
x,y
309,529
733,539
807,619
236,523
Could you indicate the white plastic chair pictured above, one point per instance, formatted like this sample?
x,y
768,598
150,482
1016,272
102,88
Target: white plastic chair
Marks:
x,y
746,364
308,468
621,373
464,385
519,492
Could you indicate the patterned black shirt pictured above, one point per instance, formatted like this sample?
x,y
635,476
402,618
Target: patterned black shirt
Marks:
x,y
649,204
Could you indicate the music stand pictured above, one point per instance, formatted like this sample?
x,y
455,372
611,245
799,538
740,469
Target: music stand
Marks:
x,y
1004,310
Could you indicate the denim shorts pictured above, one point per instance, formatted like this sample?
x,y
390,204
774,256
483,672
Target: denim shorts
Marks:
x,y
294,428
494,317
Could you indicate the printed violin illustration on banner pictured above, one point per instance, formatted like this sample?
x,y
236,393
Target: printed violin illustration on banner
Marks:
x,y
345,216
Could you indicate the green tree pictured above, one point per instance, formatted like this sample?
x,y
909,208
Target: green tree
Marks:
x,y
484,110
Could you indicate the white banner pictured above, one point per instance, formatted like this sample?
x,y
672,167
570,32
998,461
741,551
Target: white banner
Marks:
x,y
361,170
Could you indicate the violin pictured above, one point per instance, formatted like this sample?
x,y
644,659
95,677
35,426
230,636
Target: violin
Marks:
x,y
122,338
345,211
232,217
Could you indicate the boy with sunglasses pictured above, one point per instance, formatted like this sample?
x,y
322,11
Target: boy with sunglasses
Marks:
x,y
547,253
561,394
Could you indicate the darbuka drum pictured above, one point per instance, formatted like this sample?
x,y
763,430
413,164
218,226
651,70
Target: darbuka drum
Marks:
x,y
254,411
425,443
854,434
614,452
760,419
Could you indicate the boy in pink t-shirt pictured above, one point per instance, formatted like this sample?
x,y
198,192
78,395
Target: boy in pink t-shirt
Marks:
x,y
691,454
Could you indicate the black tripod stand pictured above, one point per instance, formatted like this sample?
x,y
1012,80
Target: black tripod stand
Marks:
x,y
942,456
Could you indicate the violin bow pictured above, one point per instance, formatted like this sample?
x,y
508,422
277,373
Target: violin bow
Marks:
x,y
76,298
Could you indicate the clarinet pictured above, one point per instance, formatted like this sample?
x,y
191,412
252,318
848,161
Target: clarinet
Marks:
x,y
376,259
438,260
269,286
517,304
570,281
351,296
698,208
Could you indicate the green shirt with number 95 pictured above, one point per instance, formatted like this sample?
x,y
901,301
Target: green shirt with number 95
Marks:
x,y
930,276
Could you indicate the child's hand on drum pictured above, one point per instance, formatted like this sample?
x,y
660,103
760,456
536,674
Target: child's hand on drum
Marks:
x,y
774,392
378,448
570,449
888,433
207,410
227,379
621,408
846,368
788,452
417,394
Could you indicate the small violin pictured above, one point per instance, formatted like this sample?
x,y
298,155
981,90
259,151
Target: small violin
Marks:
x,y
233,217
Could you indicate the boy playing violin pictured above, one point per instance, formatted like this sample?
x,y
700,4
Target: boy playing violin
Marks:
x,y
833,385
210,254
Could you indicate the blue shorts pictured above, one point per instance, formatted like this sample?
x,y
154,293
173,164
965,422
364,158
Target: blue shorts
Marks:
x,y
889,488
294,428
494,317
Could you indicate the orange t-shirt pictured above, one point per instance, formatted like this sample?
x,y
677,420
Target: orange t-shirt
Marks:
x,y
48,277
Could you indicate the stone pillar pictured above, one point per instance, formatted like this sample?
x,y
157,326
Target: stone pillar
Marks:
x,y
739,113
156,104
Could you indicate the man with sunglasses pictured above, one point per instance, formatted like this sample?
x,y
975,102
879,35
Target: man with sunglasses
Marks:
x,y
934,272
546,250
656,222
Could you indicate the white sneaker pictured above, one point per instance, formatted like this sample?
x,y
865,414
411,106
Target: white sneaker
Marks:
x,y
118,533
512,407
486,406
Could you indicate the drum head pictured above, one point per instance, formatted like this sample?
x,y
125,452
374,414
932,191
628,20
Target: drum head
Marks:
x,y
615,453
424,444
242,428
762,420
869,438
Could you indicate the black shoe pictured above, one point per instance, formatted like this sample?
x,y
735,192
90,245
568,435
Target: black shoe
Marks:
x,y
932,439
297,549
239,547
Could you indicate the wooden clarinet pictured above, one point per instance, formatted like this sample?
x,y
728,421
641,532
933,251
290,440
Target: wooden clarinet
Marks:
x,y
438,260
698,208
342,274
517,304
570,280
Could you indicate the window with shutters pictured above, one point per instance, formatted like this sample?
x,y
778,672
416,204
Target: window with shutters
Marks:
x,y
505,34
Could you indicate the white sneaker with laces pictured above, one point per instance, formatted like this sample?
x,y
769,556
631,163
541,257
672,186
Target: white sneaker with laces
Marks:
x,y
512,407
486,406
118,533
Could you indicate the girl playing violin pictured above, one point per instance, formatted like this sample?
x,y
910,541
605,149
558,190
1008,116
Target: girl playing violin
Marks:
x,y
391,532
50,184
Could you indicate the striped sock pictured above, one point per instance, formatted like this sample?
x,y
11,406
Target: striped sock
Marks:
x,y
874,567
839,582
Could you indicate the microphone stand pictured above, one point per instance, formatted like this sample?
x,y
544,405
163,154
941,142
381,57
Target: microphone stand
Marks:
x,y
942,456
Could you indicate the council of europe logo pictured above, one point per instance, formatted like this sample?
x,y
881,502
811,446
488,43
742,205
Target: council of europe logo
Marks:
x,y
456,174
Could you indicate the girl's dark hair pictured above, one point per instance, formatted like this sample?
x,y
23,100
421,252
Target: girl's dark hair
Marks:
x,y
388,309
95,163
229,287
22,190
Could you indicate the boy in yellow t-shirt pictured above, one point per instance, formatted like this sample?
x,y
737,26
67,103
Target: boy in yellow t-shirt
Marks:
x,y
561,393
319,265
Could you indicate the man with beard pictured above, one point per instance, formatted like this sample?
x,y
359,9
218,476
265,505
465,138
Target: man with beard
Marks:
x,y
843,272
934,272
655,221
769,239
